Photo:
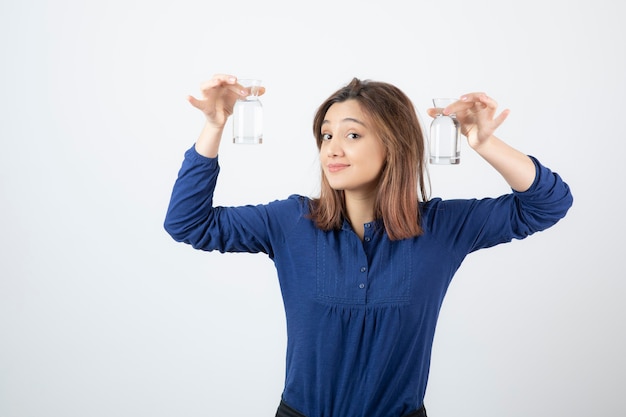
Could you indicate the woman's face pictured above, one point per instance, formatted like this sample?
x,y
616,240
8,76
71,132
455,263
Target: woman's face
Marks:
x,y
351,153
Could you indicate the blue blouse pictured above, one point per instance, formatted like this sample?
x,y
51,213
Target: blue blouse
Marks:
x,y
360,315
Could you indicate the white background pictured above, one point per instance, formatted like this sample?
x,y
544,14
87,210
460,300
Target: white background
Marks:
x,y
103,314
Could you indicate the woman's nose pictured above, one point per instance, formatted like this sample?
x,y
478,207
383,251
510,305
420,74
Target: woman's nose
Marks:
x,y
333,148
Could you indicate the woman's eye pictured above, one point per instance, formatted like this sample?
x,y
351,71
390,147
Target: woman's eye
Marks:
x,y
326,136
353,135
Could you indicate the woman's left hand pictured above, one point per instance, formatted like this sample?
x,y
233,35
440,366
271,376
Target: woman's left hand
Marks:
x,y
476,112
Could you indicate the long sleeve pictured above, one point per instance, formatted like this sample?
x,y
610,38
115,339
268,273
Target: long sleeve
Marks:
x,y
191,201
191,217
469,225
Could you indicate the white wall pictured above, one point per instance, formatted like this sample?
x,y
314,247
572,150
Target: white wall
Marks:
x,y
102,313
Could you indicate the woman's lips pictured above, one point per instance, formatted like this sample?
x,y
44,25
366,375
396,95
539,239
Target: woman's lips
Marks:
x,y
336,167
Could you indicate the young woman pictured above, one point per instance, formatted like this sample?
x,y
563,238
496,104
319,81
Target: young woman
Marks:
x,y
364,267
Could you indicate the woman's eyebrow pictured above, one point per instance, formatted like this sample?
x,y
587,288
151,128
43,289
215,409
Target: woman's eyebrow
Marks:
x,y
347,119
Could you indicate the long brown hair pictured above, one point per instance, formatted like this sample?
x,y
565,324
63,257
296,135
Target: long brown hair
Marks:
x,y
402,183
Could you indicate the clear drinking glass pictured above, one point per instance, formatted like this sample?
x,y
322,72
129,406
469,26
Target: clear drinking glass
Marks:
x,y
445,135
248,115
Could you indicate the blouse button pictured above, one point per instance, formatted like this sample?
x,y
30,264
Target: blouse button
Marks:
x,y
367,239
361,286
363,269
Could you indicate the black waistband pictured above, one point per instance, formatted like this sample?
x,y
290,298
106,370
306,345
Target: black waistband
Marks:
x,y
285,411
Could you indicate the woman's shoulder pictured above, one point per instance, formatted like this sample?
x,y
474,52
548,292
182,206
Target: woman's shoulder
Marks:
x,y
438,203
294,202
440,209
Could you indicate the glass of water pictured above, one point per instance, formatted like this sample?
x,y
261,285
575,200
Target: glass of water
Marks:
x,y
445,135
248,115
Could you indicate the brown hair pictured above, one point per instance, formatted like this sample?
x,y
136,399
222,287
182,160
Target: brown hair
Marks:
x,y
402,183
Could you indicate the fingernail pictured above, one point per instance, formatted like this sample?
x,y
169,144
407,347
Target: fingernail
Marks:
x,y
463,98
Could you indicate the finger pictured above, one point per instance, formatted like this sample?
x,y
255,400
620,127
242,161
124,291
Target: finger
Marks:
x,y
251,89
472,97
226,81
224,78
432,112
465,102
501,117
488,101
217,80
194,102
256,91
474,102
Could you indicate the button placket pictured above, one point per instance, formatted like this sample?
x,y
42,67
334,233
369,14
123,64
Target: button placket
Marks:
x,y
367,232
363,269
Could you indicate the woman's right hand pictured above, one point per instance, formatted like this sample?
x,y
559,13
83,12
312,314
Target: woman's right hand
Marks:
x,y
219,95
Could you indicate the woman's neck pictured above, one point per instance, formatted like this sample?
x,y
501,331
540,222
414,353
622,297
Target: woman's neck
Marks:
x,y
360,210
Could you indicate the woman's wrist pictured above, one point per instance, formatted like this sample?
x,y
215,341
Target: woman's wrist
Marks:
x,y
209,140
515,167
